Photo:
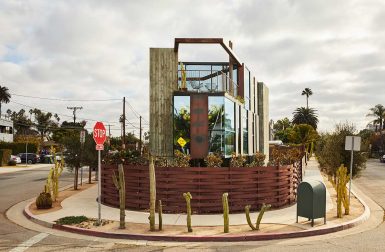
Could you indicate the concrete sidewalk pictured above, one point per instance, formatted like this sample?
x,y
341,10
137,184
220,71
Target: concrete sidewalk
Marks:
x,y
22,167
84,203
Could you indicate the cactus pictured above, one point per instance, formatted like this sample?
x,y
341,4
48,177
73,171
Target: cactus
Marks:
x,y
188,198
342,195
260,215
225,203
52,184
152,193
120,185
44,200
160,212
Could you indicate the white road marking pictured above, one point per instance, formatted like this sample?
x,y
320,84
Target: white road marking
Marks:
x,y
30,242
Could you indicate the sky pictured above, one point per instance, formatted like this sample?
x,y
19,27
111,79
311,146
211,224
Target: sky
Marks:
x,y
76,52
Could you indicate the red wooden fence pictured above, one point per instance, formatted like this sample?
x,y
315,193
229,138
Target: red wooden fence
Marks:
x,y
246,186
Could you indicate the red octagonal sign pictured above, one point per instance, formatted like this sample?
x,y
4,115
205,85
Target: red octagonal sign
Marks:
x,y
99,133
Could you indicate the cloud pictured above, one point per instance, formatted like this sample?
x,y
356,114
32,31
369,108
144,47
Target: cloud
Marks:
x,y
100,50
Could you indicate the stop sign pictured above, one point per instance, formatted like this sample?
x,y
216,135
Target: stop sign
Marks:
x,y
99,133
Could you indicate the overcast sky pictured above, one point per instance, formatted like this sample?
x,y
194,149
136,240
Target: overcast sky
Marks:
x,y
99,50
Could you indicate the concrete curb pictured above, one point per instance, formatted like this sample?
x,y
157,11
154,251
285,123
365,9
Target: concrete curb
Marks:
x,y
212,238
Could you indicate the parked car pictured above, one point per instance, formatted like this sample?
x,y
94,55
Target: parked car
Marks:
x,y
48,159
382,158
15,158
31,158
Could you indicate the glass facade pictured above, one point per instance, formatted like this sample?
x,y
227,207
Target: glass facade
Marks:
x,y
247,88
245,132
229,127
182,122
216,120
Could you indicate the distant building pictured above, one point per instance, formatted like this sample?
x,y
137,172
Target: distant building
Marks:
x,y
204,107
6,130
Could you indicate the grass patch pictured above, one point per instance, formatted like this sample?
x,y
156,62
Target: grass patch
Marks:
x,y
70,220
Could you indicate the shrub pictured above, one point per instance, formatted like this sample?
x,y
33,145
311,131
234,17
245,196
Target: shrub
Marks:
x,y
181,159
285,155
237,161
5,155
257,160
213,160
70,220
12,163
18,147
44,201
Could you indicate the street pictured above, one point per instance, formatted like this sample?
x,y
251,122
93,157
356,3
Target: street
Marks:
x,y
22,185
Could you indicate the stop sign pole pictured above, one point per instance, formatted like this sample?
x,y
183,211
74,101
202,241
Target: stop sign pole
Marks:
x,y
99,137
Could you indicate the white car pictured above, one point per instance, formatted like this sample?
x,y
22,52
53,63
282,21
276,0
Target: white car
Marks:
x,y
15,158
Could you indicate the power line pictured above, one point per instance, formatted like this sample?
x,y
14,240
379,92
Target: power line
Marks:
x,y
65,100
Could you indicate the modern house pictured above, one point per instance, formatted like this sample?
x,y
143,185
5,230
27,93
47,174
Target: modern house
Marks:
x,y
6,130
203,107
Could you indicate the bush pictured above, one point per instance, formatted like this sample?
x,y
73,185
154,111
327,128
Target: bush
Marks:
x,y
70,220
18,147
181,159
12,163
237,161
331,153
44,201
257,160
213,160
5,155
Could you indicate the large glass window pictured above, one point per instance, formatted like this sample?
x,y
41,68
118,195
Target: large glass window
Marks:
x,y
182,122
245,132
229,127
216,124
247,88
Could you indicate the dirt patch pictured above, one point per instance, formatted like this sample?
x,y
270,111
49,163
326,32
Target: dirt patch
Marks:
x,y
62,196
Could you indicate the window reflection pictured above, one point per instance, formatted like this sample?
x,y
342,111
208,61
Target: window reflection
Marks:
x,y
216,123
245,132
182,122
229,127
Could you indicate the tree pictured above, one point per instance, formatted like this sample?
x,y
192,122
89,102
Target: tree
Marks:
x,y
304,115
305,135
5,96
331,153
378,111
307,92
43,122
282,124
21,123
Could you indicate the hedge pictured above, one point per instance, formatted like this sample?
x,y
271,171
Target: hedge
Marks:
x,y
5,155
17,148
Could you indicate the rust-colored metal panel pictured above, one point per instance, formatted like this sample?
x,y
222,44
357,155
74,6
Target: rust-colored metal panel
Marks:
x,y
199,127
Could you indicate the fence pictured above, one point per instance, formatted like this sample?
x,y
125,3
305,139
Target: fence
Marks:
x,y
246,186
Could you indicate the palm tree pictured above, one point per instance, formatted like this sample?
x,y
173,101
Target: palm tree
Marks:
x,y
5,96
379,112
304,115
307,92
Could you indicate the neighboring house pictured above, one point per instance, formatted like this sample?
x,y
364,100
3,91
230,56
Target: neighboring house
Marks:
x,y
207,106
6,130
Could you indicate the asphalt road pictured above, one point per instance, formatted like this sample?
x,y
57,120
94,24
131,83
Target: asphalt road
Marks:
x,y
23,185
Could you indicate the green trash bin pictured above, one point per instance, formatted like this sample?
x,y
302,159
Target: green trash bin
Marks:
x,y
311,200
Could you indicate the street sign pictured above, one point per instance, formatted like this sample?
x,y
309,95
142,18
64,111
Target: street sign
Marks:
x,y
99,147
82,136
99,133
181,142
353,143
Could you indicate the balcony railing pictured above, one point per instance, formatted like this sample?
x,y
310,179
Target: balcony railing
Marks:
x,y
207,81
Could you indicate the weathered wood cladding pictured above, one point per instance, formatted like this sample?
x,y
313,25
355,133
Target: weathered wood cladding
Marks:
x,y
263,113
163,81
199,126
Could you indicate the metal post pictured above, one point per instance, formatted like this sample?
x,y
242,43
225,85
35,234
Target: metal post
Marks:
x,y
351,168
99,188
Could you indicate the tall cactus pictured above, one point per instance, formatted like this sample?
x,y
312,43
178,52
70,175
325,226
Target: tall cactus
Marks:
x,y
53,176
260,215
342,195
188,198
225,203
160,212
120,185
152,193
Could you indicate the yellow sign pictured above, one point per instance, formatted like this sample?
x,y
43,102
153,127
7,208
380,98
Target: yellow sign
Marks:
x,y
181,142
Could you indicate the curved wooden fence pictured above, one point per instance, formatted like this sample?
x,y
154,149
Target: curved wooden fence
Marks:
x,y
246,186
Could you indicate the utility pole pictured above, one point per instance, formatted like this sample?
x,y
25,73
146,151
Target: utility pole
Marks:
x,y
74,111
124,124
140,135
